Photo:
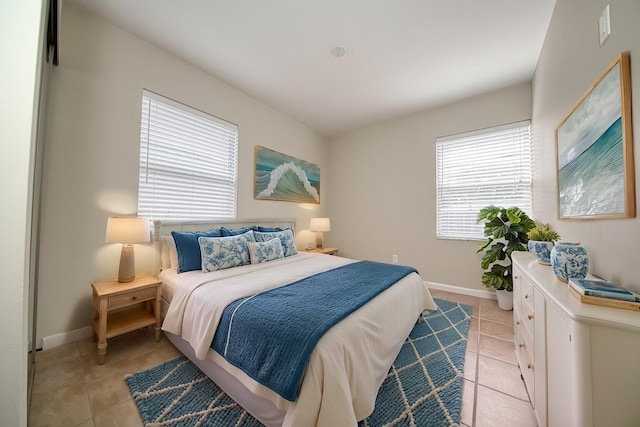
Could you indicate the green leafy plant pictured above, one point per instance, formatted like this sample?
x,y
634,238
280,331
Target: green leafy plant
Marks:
x,y
543,233
506,230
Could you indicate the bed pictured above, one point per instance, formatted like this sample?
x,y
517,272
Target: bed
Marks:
x,y
346,367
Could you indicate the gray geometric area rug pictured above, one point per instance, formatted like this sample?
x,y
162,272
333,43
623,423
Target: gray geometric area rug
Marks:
x,y
423,386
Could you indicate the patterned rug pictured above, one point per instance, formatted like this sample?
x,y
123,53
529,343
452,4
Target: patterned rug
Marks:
x,y
422,388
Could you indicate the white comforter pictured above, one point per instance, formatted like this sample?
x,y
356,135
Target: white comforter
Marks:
x,y
351,360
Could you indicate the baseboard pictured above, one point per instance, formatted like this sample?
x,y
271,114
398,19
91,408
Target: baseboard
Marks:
x,y
461,290
66,337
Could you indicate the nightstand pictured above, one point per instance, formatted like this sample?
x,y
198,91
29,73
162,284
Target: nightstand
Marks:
x,y
326,251
119,308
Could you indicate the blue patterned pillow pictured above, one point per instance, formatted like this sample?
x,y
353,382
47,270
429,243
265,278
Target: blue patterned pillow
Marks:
x,y
286,238
265,251
188,248
225,252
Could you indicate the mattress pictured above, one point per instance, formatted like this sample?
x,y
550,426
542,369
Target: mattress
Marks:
x,y
348,364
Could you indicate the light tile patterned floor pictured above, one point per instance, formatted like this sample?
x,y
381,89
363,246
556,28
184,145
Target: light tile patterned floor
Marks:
x,y
71,389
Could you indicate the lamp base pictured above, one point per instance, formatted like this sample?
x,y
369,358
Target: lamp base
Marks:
x,y
319,240
127,270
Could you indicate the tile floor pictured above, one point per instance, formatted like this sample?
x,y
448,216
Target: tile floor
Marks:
x,y
71,389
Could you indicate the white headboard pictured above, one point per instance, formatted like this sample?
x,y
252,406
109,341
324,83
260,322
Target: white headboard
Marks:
x,y
164,228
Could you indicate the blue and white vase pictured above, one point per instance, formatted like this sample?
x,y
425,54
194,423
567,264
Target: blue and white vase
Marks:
x,y
542,251
569,261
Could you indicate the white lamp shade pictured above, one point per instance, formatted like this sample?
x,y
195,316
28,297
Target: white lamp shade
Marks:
x,y
320,224
127,230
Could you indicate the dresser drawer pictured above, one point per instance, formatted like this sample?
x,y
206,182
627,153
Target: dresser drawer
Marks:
x,y
133,297
523,340
517,289
525,361
528,320
527,367
527,294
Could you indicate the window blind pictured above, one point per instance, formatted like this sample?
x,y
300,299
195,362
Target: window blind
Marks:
x,y
188,162
478,169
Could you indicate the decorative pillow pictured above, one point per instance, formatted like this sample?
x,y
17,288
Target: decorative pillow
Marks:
x,y
286,238
165,261
225,252
169,253
188,248
225,232
265,251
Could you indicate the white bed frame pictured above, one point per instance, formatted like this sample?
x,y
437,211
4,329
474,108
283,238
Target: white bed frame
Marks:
x,y
262,409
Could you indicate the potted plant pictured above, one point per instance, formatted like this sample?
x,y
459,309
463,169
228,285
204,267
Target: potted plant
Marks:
x,y
541,239
506,230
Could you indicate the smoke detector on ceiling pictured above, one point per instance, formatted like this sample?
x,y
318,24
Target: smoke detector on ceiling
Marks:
x,y
339,51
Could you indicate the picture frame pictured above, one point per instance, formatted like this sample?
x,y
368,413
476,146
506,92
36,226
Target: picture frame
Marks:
x,y
594,150
285,178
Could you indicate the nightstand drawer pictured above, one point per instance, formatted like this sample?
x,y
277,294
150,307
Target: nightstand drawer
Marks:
x,y
131,298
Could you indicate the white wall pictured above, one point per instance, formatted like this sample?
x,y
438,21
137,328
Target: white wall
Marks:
x,y
378,182
570,63
20,22
91,164
383,193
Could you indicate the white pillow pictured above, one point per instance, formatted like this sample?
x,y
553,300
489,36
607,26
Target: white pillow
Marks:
x,y
265,251
165,262
169,253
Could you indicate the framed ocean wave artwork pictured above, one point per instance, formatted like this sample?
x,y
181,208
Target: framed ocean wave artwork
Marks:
x,y
594,150
285,178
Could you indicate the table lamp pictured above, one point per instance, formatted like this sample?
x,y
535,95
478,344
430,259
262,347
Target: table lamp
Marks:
x,y
319,225
127,231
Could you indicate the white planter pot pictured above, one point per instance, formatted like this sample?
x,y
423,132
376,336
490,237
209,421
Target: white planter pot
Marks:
x,y
505,299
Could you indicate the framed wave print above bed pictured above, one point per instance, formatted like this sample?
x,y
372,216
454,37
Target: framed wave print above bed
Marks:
x,y
594,150
285,178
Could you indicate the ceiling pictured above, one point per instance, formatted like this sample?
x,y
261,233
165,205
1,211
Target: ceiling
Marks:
x,y
402,56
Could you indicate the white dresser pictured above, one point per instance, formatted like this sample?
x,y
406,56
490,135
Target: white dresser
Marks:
x,y
580,362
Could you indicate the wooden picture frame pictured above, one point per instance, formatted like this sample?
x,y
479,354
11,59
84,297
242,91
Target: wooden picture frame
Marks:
x,y
285,178
594,150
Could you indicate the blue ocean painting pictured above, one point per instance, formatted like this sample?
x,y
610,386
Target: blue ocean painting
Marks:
x,y
591,153
591,184
282,177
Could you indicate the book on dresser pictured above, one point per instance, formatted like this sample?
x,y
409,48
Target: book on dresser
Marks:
x,y
602,289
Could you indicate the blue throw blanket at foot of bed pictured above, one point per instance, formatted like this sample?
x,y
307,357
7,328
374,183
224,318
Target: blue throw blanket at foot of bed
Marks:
x,y
271,335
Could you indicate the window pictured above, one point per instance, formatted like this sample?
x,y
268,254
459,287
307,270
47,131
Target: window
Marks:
x,y
477,169
188,162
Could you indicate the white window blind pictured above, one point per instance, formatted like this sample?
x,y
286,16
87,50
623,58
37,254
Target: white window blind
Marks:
x,y
188,162
479,169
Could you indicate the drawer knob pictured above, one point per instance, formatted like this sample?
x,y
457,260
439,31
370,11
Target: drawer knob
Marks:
x,y
529,366
517,322
521,345
530,316
134,297
516,277
526,296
